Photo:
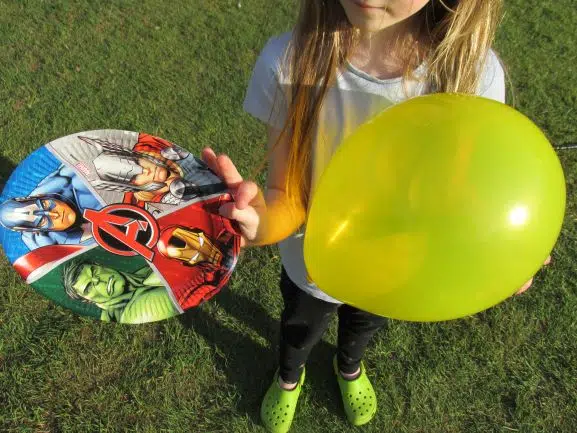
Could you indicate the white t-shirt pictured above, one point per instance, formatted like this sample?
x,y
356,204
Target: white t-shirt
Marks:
x,y
354,98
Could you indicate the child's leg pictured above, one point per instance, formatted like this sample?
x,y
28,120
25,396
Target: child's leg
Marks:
x,y
356,328
303,322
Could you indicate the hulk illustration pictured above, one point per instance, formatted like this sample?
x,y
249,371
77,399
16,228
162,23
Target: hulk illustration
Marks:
x,y
124,297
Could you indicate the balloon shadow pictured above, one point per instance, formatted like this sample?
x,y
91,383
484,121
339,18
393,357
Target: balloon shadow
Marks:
x,y
250,366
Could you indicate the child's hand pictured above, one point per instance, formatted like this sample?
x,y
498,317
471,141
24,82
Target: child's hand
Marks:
x,y
248,200
528,283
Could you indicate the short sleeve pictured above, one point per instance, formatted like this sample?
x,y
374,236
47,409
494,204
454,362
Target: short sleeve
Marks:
x,y
492,83
265,97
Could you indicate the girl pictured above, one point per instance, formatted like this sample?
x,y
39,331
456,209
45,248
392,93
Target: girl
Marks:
x,y
345,61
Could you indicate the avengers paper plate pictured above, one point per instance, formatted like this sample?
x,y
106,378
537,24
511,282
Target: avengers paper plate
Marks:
x,y
118,225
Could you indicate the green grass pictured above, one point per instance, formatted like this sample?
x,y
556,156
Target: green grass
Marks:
x,y
179,70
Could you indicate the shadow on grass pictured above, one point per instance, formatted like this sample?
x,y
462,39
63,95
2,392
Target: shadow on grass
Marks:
x,y
6,168
249,366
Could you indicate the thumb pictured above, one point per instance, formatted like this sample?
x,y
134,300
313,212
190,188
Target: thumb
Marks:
x,y
231,211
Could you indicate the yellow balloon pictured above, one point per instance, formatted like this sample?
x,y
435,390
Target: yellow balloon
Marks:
x,y
438,208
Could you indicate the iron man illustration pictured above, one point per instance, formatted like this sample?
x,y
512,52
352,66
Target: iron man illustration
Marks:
x,y
191,246
208,263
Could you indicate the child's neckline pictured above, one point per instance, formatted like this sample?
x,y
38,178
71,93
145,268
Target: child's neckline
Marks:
x,y
368,77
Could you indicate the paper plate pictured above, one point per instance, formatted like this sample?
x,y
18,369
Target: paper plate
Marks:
x,y
118,225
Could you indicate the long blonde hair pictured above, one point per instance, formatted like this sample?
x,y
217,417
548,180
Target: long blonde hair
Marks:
x,y
457,35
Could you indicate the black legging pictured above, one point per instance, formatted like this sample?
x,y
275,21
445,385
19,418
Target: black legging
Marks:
x,y
305,319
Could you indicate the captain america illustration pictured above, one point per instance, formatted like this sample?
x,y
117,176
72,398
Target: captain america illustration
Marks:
x,y
52,213
154,171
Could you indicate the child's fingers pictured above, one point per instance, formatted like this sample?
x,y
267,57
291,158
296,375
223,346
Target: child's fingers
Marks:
x,y
209,157
229,173
525,287
245,193
222,166
229,210
247,218
530,282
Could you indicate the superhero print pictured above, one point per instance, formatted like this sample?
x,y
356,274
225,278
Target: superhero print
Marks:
x,y
118,225
52,213
150,172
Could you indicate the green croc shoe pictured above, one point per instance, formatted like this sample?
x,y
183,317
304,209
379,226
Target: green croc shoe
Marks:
x,y
358,395
278,406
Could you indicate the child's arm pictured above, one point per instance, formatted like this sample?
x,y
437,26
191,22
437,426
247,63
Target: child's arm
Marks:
x,y
280,217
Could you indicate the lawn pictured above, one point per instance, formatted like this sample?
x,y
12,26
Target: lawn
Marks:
x,y
179,70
